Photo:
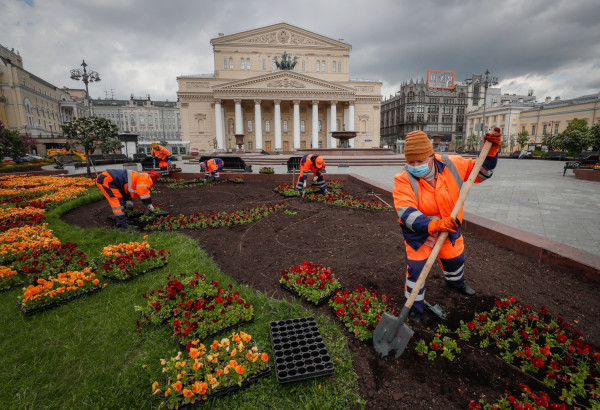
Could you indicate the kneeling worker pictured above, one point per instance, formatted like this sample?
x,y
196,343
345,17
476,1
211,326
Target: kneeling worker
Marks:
x,y
120,186
315,164
162,154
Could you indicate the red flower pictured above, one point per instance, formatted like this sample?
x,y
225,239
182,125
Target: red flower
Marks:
x,y
537,362
340,312
471,325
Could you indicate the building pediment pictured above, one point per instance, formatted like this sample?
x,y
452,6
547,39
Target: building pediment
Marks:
x,y
283,81
281,34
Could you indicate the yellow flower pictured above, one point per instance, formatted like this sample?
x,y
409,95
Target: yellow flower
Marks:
x,y
154,386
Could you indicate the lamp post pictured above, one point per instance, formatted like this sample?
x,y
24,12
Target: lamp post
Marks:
x,y
87,77
486,82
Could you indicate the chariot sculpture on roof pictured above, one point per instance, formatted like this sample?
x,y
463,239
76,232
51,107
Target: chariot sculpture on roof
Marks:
x,y
286,62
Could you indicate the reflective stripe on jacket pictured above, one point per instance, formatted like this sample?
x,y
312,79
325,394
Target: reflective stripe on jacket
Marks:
x,y
132,184
160,152
417,202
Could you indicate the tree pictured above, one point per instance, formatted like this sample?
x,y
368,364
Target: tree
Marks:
x,y
576,138
91,133
11,143
595,136
458,141
522,138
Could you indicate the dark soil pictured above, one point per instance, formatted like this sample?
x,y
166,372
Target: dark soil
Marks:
x,y
366,248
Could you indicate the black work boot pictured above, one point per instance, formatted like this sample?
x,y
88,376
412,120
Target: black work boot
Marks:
x,y
415,316
465,289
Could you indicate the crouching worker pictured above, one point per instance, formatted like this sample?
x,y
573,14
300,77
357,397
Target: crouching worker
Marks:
x,y
211,168
163,156
315,164
121,186
424,196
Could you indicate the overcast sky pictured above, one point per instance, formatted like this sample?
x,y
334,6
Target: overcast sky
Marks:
x,y
140,46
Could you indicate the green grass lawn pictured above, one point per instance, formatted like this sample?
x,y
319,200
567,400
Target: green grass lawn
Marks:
x,y
87,353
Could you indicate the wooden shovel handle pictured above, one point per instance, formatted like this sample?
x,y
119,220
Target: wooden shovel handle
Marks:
x,y
464,191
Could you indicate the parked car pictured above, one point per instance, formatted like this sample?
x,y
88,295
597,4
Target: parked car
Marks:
x,y
523,154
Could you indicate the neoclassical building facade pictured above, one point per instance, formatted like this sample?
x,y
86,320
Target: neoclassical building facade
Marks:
x,y
278,109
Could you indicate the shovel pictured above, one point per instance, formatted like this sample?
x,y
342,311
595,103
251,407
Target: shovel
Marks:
x,y
392,334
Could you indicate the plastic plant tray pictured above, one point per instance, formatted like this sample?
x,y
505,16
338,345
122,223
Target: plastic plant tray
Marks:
x,y
298,350
319,303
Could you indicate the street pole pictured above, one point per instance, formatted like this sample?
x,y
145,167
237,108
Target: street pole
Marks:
x,y
87,77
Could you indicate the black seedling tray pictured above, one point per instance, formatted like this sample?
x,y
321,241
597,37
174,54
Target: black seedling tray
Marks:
x,y
298,350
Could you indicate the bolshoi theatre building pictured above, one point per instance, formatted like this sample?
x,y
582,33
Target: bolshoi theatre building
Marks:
x,y
280,88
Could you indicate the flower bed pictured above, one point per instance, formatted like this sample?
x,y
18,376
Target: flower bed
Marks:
x,y
51,292
201,318
52,261
16,241
127,260
236,180
204,372
8,278
549,350
361,310
214,220
311,282
17,217
162,302
335,197
266,170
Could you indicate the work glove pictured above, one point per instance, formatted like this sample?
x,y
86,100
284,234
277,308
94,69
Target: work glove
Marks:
x,y
150,208
446,224
496,139
128,204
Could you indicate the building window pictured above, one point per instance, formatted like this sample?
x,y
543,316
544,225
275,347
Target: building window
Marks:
x,y
334,67
231,126
320,144
555,129
545,129
533,130
225,63
242,64
249,125
339,66
247,64
231,63
264,63
323,65
431,128
285,127
250,146
302,126
320,125
447,110
267,126
318,65
142,120
420,108
446,128
303,65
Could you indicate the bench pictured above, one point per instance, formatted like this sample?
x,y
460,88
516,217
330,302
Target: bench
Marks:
x,y
229,163
590,159
293,163
139,157
557,155
67,160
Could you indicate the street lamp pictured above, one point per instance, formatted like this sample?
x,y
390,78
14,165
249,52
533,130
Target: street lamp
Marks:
x,y
485,82
86,77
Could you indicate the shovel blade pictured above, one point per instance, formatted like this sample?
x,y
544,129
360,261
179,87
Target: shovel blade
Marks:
x,y
391,335
437,310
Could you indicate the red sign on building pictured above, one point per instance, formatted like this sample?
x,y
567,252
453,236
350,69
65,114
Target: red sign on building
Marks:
x,y
441,79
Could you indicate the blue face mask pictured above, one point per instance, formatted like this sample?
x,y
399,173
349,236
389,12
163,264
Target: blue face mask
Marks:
x,y
419,171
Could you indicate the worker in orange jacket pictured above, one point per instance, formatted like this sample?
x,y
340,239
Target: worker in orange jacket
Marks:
x,y
162,154
120,186
212,167
424,196
312,163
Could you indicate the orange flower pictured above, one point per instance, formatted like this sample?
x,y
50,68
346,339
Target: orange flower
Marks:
x,y
264,357
95,281
177,386
199,387
187,393
215,345
245,337
239,369
194,353
167,392
233,363
219,372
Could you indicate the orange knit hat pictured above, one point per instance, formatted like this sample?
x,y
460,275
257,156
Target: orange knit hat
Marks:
x,y
417,146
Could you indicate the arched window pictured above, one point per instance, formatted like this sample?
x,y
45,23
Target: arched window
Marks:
x,y
318,65
339,66
334,67
231,63
242,64
28,111
225,63
323,65
247,64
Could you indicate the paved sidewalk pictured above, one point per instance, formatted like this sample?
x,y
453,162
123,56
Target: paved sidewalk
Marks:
x,y
531,195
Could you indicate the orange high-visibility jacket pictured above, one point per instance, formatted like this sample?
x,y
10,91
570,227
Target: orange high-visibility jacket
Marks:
x,y
309,166
161,152
214,165
417,202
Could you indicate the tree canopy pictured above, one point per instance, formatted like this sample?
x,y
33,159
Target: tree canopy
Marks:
x,y
11,143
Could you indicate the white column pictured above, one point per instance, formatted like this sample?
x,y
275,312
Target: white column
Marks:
x,y
277,125
239,121
351,121
219,125
258,125
296,124
328,128
333,122
315,124
224,127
